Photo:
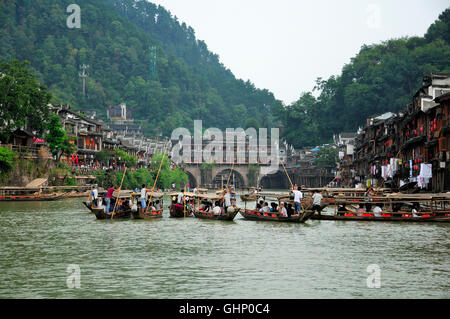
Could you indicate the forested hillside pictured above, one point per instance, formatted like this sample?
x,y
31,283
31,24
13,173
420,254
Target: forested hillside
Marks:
x,y
380,78
115,40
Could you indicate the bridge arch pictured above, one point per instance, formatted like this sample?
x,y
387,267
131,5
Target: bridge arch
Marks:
x,y
277,180
236,179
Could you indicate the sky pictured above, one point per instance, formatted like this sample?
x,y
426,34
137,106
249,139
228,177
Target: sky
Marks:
x,y
285,45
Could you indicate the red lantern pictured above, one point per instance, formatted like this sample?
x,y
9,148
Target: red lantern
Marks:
x,y
421,130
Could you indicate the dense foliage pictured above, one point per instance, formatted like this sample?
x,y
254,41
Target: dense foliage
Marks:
x,y
136,178
115,40
6,160
380,78
23,101
57,139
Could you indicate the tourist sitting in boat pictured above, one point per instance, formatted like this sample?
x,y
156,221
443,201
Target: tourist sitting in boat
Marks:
x,y
274,207
152,207
265,208
282,210
217,210
317,202
415,210
290,210
342,210
260,204
157,205
377,211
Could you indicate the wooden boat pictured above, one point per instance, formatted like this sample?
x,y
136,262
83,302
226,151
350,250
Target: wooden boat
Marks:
x,y
199,213
432,208
256,215
178,211
120,213
275,217
31,198
149,215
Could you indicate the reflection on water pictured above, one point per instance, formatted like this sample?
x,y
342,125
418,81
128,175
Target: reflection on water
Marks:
x,y
192,258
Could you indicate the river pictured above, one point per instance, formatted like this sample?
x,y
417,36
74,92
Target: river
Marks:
x,y
192,258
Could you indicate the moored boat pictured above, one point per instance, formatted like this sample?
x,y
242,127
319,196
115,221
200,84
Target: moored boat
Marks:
x,y
31,198
257,214
205,211
393,208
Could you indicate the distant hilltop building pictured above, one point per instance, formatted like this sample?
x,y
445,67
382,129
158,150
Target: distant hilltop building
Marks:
x,y
119,114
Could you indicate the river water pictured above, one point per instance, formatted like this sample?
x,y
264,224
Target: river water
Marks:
x,y
192,258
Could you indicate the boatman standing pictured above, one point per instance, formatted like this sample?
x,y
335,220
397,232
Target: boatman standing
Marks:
x,y
95,195
227,199
317,202
143,198
180,197
298,195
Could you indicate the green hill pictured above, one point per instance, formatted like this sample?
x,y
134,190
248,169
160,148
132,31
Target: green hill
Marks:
x,y
115,40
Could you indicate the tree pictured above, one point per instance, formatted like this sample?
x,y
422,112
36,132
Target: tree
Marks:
x,y
326,157
23,101
57,139
6,160
125,158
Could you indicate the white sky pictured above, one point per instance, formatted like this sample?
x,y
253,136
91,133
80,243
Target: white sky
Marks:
x,y
284,45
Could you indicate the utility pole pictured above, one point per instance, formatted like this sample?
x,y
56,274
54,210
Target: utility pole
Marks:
x,y
84,75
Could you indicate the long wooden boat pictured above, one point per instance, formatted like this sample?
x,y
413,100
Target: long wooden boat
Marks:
x,y
431,208
255,214
31,198
386,217
100,214
211,216
198,213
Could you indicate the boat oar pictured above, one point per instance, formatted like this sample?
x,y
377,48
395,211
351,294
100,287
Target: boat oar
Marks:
x,y
118,194
156,179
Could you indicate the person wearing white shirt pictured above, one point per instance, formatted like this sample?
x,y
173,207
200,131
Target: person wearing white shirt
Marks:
x,y
143,198
180,197
95,195
298,195
227,199
317,202
265,208
282,210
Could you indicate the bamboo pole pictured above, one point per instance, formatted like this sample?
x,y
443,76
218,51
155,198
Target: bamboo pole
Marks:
x,y
229,176
118,194
157,175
